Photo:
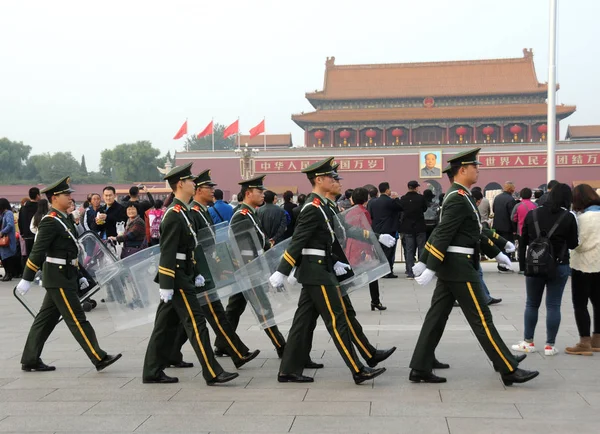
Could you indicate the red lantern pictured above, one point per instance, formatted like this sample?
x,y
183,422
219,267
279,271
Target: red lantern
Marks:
x,y
345,134
543,129
515,130
461,131
488,131
397,133
371,134
319,135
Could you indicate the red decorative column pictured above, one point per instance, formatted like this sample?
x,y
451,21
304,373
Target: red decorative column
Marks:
x,y
557,131
529,137
410,135
357,137
331,137
474,134
502,133
447,134
306,136
384,138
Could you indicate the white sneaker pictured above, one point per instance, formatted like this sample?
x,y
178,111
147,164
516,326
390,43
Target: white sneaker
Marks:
x,y
524,347
550,350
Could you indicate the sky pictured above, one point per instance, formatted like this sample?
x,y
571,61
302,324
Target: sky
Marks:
x,y
85,76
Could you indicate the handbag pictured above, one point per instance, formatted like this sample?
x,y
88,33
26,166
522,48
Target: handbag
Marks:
x,y
4,239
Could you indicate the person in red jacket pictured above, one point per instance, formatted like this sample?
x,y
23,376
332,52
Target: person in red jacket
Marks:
x,y
358,251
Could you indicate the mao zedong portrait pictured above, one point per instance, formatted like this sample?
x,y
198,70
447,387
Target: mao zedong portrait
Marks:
x,y
430,164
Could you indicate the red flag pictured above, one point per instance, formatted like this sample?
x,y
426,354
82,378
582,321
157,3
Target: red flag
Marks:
x,y
206,131
259,129
182,131
231,129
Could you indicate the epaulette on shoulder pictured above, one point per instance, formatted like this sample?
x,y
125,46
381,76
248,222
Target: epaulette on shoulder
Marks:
x,y
316,201
462,192
177,208
245,211
52,214
196,208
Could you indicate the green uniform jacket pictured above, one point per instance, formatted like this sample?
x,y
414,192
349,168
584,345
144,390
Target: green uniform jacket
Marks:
x,y
243,219
177,236
460,225
56,238
203,220
314,230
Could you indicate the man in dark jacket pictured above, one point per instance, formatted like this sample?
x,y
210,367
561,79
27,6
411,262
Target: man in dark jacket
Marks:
x,y
413,227
385,212
272,219
109,214
503,206
542,200
289,206
26,213
134,196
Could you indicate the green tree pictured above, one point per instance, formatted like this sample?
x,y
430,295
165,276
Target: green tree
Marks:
x,y
131,162
84,170
193,143
51,167
13,157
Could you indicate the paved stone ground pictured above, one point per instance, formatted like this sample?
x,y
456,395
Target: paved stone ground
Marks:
x,y
565,398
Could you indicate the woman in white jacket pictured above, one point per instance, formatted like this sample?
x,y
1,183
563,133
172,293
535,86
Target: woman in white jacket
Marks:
x,y
585,265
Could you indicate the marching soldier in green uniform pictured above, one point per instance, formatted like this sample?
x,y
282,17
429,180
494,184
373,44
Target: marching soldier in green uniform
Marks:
x,y
178,278
452,253
244,218
57,249
213,309
314,251
368,352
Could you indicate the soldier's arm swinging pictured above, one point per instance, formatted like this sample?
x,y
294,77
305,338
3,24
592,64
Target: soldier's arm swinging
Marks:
x,y
44,239
308,221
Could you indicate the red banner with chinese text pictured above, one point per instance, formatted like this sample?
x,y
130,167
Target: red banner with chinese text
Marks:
x,y
294,165
563,159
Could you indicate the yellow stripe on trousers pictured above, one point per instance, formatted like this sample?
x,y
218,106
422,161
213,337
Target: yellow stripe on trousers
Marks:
x,y
333,324
219,325
189,309
87,341
485,326
350,325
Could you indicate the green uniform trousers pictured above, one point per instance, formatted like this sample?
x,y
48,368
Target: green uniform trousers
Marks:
x,y
359,339
184,308
61,302
235,308
216,317
470,296
315,301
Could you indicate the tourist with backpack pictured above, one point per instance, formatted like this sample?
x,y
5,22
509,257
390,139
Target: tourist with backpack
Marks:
x,y
549,232
153,219
519,213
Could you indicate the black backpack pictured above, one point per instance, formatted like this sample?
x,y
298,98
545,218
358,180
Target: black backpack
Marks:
x,y
540,260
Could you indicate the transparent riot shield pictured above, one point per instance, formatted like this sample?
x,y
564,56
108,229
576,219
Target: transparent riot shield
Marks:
x,y
219,259
355,244
131,293
93,256
270,305
361,249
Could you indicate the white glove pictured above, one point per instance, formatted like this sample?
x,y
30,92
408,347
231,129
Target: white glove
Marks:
x,y
387,240
83,283
425,277
504,260
166,295
510,247
292,277
23,286
418,268
340,268
75,215
276,279
199,281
